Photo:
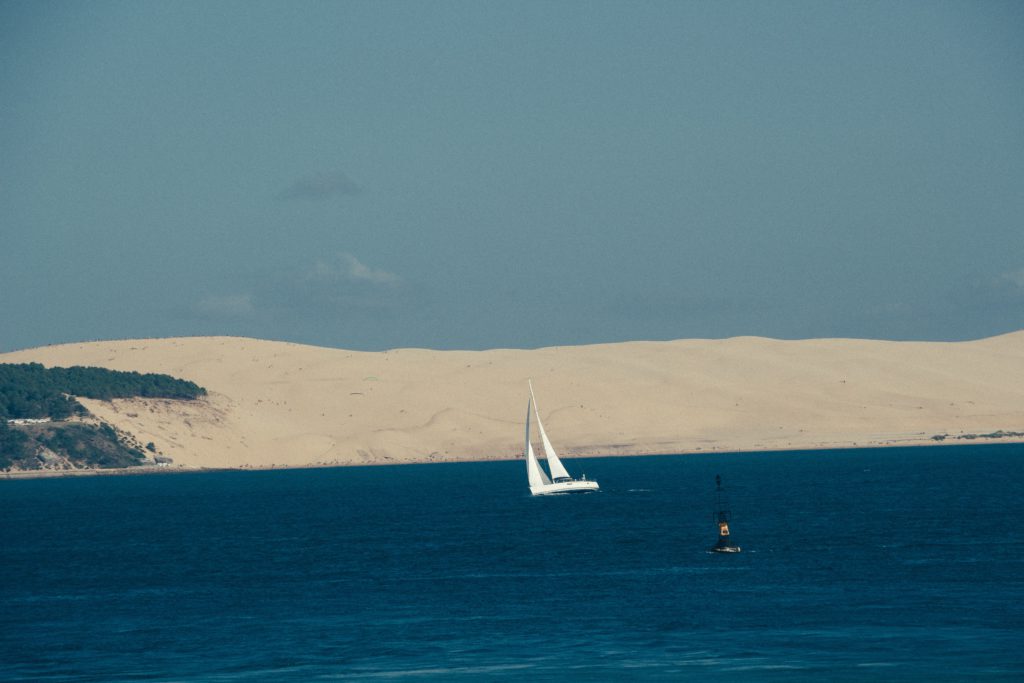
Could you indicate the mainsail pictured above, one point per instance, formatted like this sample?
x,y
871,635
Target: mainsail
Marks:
x,y
534,474
558,470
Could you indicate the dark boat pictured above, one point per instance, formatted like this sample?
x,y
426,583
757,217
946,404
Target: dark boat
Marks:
x,y
721,517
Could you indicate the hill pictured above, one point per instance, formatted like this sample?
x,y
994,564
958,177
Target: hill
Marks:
x,y
42,426
284,404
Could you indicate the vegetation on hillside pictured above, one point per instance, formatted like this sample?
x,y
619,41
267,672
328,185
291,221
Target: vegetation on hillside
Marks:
x,y
16,448
999,434
60,445
31,391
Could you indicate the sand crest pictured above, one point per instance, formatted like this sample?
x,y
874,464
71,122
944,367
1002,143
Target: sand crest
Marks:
x,y
285,405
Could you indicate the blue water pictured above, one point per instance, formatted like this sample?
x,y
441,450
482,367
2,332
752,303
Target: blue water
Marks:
x,y
896,564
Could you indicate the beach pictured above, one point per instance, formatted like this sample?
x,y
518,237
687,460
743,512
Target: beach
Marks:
x,y
279,404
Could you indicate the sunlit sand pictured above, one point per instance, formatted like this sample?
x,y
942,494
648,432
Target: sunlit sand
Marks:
x,y
276,404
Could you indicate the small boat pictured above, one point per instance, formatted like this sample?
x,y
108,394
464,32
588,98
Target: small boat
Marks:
x,y
721,517
559,481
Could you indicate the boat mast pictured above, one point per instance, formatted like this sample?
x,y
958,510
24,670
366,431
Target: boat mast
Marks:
x,y
558,471
534,474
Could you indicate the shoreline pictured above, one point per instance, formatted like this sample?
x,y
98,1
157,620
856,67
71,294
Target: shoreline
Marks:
x,y
172,470
275,405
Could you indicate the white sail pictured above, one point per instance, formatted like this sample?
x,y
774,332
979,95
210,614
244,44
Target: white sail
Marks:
x,y
534,474
558,470
540,484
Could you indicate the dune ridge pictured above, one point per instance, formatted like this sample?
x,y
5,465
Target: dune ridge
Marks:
x,y
281,404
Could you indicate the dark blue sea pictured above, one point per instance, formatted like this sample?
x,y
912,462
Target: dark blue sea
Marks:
x,y
902,564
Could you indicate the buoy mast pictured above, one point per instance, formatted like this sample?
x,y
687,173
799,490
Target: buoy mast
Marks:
x,y
721,517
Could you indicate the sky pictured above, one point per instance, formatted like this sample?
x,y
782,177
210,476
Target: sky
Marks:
x,y
472,175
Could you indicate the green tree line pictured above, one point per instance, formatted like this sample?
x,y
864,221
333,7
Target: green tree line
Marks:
x,y
15,446
29,390
84,445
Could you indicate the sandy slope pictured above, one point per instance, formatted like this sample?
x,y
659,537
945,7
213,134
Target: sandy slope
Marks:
x,y
283,404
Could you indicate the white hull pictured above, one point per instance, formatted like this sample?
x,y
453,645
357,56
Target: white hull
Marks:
x,y
574,486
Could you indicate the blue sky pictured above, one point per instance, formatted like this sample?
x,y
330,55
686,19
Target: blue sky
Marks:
x,y
373,175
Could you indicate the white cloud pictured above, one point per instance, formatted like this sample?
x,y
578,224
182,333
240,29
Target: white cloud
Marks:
x,y
233,305
320,186
1014,277
348,267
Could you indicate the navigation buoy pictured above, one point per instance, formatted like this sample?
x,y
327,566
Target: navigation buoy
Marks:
x,y
721,517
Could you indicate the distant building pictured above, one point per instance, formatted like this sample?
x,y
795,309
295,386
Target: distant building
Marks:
x,y
163,460
28,421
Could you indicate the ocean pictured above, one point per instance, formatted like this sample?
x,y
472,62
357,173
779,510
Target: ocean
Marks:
x,y
898,564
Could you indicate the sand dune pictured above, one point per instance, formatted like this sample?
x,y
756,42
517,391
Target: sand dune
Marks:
x,y
283,404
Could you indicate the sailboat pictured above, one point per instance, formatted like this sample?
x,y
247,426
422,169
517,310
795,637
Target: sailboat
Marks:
x,y
559,481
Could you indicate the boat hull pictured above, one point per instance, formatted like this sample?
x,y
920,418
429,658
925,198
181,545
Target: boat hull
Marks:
x,y
574,486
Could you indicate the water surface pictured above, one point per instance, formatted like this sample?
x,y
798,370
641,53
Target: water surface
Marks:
x,y
892,564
